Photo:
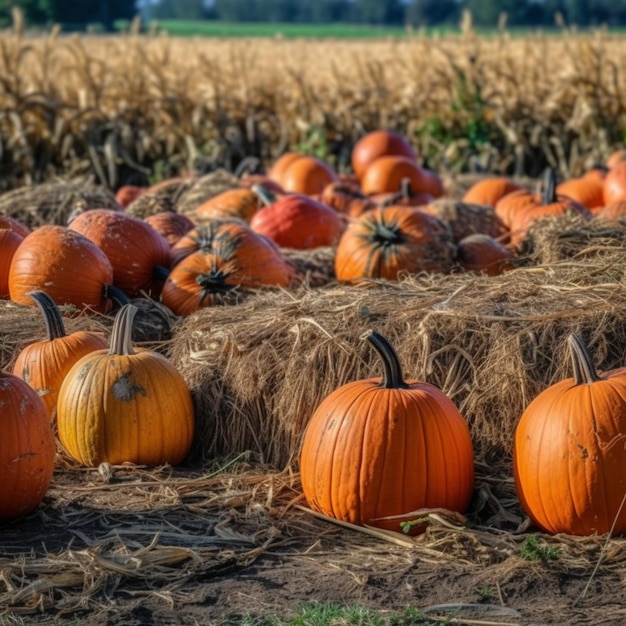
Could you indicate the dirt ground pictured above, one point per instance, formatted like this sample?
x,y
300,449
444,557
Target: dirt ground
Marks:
x,y
138,546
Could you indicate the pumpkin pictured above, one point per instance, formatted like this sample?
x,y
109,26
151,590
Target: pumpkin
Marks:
x,y
376,144
228,255
279,166
170,225
588,190
385,174
139,255
307,175
10,223
378,448
388,241
481,253
568,456
127,193
614,188
44,364
125,404
616,157
242,203
613,211
403,197
540,206
70,268
27,448
490,190
347,198
299,222
9,242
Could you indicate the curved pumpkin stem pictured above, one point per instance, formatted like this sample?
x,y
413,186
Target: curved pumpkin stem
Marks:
x,y
121,342
51,314
405,188
160,273
584,371
549,187
119,296
264,194
392,377
248,165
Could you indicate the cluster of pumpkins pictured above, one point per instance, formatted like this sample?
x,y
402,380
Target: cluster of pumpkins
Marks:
x,y
385,218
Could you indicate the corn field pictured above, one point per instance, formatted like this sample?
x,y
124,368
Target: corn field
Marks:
x,y
125,108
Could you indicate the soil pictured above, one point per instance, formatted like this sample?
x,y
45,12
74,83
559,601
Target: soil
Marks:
x,y
139,546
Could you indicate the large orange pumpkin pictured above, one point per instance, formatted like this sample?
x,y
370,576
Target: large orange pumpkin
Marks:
x,y
307,175
9,242
568,458
125,404
386,173
388,241
376,144
70,268
377,448
27,448
43,364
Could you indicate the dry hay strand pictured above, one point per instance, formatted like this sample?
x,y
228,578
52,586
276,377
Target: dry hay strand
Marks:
x,y
163,199
54,203
551,240
315,267
137,530
258,371
204,188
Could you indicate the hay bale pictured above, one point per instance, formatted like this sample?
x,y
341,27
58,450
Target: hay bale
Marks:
x,y
204,188
54,203
258,371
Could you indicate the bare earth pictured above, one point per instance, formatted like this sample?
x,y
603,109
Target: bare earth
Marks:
x,y
130,546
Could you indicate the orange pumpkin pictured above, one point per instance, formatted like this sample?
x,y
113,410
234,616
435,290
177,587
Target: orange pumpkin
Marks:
x,y
615,183
481,253
228,255
170,225
568,457
612,212
125,404
10,223
44,364
279,166
587,190
9,242
139,255
386,173
616,157
380,448
347,198
299,222
70,268
27,448
127,193
242,203
307,175
388,241
490,190
376,144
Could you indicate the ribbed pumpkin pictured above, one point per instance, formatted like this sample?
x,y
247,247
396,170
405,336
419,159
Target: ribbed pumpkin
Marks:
x,y
378,143
125,404
279,166
386,447
299,222
44,364
27,448
307,175
170,225
387,241
70,268
588,190
483,254
10,223
614,185
9,242
569,457
347,198
227,255
386,173
139,255
241,203
490,190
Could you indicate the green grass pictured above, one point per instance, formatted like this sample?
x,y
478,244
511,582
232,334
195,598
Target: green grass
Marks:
x,y
533,550
331,614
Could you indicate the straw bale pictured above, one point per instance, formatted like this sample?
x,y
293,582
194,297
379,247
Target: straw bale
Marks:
x,y
204,188
55,202
257,371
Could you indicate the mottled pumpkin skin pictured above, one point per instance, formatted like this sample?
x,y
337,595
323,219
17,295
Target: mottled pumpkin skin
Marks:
x,y
27,448
69,267
119,408
371,452
385,242
569,456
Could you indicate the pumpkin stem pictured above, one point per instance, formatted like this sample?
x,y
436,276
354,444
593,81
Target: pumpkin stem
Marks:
x,y
121,342
248,165
160,273
51,314
584,371
264,194
549,187
119,296
405,188
392,377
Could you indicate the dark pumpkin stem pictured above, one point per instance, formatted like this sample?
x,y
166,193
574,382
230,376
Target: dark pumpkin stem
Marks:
x,y
405,188
160,273
264,194
119,296
549,187
121,342
392,377
584,371
248,165
51,314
